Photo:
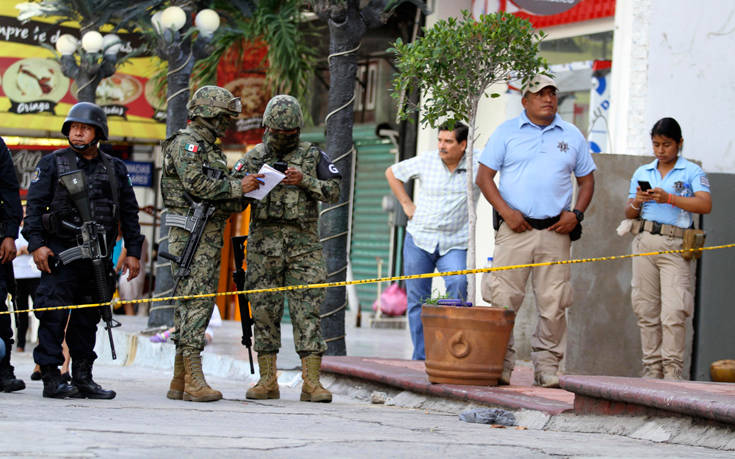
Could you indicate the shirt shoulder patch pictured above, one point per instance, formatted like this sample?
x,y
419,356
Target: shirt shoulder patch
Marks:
x,y
36,175
192,147
704,181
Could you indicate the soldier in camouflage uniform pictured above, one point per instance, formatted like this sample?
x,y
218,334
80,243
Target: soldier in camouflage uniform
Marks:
x,y
193,164
284,247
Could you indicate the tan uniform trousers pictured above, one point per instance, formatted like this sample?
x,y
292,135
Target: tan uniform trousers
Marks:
x,y
551,288
662,298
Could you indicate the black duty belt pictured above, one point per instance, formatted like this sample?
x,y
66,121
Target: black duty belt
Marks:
x,y
542,223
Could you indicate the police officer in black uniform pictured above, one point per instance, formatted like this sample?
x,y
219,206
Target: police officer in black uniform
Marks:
x,y
49,205
11,213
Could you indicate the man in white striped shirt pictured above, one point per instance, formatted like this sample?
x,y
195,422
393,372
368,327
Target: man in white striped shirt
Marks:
x,y
438,228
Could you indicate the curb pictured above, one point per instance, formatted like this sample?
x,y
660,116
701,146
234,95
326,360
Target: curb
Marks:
x,y
134,349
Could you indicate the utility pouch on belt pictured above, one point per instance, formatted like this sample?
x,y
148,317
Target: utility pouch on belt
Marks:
x,y
693,239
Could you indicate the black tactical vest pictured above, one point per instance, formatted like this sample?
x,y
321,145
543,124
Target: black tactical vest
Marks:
x,y
102,191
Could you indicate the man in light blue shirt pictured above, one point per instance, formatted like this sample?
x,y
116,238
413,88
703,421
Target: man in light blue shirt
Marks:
x,y
536,153
438,227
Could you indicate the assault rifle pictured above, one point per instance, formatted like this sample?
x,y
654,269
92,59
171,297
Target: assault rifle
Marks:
x,y
92,245
246,316
11,286
194,223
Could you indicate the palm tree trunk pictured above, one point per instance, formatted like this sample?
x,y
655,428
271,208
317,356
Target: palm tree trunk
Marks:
x,y
344,41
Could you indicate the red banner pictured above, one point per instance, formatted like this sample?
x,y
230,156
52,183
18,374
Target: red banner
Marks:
x,y
242,71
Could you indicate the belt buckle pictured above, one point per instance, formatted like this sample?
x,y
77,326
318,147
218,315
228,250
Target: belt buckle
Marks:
x,y
656,228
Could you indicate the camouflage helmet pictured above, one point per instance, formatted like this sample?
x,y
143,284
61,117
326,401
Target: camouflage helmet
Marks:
x,y
211,101
283,112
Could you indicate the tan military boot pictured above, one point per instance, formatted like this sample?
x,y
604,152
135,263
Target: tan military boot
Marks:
x,y
267,386
176,388
311,389
196,388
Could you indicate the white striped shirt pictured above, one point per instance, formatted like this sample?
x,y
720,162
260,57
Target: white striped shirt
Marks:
x,y
441,217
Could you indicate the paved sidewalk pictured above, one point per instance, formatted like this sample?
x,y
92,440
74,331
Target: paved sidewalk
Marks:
x,y
382,357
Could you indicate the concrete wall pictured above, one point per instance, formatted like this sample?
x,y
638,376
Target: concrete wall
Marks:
x,y
715,313
674,58
603,337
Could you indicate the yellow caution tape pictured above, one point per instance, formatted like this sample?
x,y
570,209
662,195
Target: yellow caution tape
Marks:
x,y
374,280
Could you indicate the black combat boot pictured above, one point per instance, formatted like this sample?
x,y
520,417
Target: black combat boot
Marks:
x,y
81,377
8,381
54,386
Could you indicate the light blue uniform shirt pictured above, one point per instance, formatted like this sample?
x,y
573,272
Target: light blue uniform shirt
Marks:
x,y
685,179
441,219
535,164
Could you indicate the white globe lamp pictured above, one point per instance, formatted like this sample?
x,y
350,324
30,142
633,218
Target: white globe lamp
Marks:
x,y
173,17
111,44
207,21
67,44
92,42
156,21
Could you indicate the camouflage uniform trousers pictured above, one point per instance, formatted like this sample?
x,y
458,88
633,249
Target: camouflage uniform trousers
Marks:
x,y
191,317
280,255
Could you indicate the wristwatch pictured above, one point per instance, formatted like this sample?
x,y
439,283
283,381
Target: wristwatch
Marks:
x,y
579,214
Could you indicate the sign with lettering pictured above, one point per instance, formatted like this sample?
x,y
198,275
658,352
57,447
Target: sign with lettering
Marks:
x,y
35,95
546,7
25,160
140,173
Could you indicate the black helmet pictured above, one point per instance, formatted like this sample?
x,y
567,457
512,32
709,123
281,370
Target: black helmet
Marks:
x,y
87,113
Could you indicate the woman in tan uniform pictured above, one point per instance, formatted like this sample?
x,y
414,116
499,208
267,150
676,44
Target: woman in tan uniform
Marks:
x,y
664,195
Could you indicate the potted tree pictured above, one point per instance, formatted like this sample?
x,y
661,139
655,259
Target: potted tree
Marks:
x,y
454,65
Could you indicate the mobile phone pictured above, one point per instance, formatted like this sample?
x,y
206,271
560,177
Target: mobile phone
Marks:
x,y
645,185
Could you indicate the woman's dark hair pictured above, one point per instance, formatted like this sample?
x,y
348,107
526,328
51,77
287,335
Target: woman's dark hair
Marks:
x,y
460,130
667,127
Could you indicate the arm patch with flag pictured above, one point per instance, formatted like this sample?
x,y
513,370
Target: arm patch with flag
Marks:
x,y
192,147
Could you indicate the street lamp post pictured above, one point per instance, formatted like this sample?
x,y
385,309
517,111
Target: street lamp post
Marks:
x,y
89,61
181,51
176,46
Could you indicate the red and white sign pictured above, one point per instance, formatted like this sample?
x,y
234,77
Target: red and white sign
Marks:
x,y
547,13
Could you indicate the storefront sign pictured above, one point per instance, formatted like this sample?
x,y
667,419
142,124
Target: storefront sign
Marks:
x,y
140,173
242,71
35,95
599,107
546,7
25,160
548,13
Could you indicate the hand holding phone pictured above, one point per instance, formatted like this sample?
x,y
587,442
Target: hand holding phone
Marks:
x,y
645,185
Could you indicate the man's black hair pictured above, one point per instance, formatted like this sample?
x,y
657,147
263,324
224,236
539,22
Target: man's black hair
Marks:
x,y
460,130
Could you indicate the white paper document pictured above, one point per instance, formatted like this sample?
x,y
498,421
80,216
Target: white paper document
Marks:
x,y
271,179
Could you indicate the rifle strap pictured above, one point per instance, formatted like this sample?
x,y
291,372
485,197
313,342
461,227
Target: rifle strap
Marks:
x,y
106,160
66,162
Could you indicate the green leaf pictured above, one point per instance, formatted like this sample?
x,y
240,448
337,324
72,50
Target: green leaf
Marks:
x,y
459,58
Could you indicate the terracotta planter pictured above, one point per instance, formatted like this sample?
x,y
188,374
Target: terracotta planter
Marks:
x,y
465,345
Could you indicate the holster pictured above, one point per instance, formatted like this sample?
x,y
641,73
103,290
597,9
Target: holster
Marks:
x,y
50,223
693,239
